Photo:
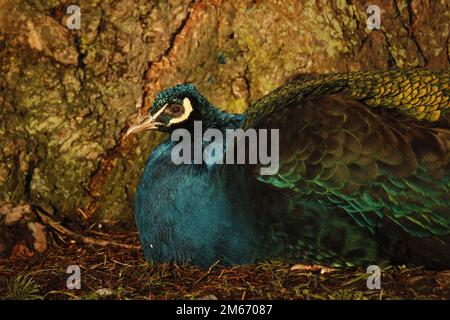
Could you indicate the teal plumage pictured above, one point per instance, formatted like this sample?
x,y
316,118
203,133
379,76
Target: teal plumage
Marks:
x,y
364,174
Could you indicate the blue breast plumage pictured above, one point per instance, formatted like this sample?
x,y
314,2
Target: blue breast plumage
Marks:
x,y
196,213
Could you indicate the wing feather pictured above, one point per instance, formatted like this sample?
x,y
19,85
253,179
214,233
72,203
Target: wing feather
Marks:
x,y
367,162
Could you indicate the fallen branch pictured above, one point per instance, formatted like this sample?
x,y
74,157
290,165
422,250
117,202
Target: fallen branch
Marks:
x,y
85,239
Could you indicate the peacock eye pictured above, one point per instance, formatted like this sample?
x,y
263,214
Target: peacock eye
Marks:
x,y
174,110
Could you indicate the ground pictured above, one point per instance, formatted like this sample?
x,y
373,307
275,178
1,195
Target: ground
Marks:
x,y
113,272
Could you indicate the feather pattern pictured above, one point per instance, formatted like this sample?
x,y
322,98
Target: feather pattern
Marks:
x,y
364,176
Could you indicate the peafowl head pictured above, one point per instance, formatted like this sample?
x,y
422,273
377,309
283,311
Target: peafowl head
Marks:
x,y
178,107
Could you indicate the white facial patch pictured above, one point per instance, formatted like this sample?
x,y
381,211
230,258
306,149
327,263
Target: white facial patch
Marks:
x,y
187,106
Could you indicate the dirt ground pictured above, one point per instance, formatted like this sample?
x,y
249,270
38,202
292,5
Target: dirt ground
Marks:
x,y
113,272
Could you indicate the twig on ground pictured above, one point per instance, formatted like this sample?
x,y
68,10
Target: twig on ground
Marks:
x,y
85,239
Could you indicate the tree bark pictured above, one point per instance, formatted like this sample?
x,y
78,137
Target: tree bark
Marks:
x,y
68,96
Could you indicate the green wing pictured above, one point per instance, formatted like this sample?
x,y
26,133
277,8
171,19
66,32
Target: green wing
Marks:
x,y
419,93
357,146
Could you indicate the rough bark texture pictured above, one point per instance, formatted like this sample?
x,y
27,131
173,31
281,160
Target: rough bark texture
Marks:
x,y
68,96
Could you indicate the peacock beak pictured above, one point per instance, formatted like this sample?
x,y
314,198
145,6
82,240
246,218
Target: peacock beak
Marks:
x,y
146,123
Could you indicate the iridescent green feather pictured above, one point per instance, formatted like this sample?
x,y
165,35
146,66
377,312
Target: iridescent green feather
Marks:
x,y
375,144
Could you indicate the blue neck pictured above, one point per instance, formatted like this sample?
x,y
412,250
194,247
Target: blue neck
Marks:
x,y
221,120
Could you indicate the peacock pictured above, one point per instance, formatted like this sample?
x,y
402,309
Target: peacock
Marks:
x,y
363,177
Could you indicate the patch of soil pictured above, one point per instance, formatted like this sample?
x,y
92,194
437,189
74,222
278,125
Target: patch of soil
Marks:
x,y
113,272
